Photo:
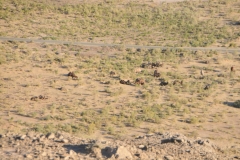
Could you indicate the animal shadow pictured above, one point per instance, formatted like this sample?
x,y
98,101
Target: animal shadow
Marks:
x,y
231,104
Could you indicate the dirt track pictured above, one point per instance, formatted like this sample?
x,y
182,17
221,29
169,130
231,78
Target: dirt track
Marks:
x,y
219,49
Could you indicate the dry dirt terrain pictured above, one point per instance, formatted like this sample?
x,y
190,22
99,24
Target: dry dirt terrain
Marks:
x,y
84,102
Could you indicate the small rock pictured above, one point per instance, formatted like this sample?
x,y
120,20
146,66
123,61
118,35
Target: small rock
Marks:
x,y
179,140
62,156
23,137
168,158
31,134
41,138
50,135
63,89
66,157
149,135
65,140
71,152
141,146
123,153
60,53
28,156
143,156
44,154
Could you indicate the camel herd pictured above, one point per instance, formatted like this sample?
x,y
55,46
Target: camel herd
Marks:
x,y
152,65
35,98
125,82
138,81
141,81
156,74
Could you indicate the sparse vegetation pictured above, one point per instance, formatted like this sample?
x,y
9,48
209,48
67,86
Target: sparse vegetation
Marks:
x,y
96,102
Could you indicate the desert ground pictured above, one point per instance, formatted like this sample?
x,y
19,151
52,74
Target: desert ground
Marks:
x,y
119,93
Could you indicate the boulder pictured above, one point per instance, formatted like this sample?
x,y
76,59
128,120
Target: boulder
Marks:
x,y
122,153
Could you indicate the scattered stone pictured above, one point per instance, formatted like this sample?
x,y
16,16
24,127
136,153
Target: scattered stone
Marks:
x,y
50,136
41,138
123,153
44,154
143,156
152,146
23,137
65,140
29,156
20,137
168,158
71,152
141,146
63,89
60,137
66,157
31,134
60,53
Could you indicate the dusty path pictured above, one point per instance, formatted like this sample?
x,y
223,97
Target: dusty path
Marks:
x,y
219,49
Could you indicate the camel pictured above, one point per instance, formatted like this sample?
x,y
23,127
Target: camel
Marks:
x,y
125,82
112,74
140,81
34,98
156,74
207,87
163,83
42,97
177,81
72,74
146,65
122,82
157,64
128,82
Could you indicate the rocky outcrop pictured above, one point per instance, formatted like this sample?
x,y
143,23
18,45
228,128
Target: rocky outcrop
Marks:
x,y
58,145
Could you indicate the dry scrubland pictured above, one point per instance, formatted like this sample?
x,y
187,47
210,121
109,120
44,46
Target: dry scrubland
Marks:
x,y
96,104
189,23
